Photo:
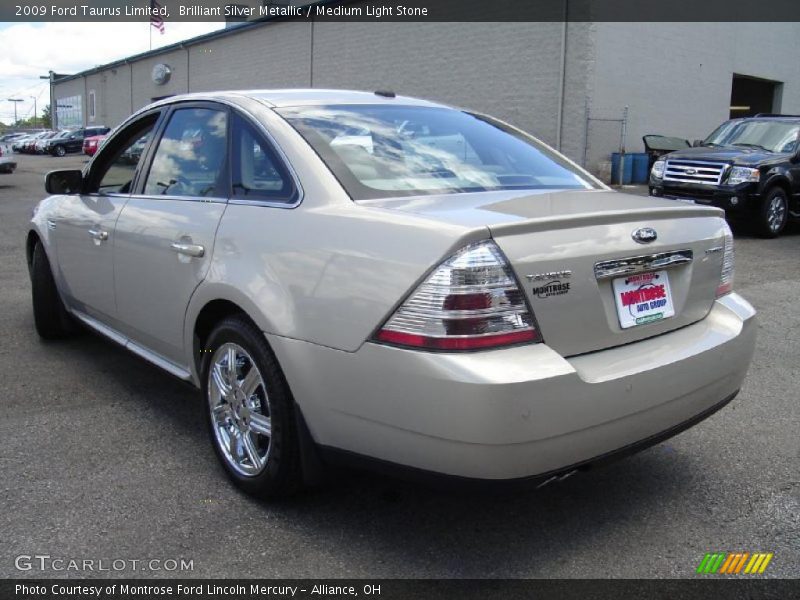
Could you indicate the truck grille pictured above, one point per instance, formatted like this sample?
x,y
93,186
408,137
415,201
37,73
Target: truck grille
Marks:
x,y
694,171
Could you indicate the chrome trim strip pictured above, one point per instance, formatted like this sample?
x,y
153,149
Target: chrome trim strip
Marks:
x,y
151,357
456,315
705,172
639,264
140,351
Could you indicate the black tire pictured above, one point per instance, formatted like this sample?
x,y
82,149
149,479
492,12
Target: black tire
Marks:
x,y
49,315
281,474
773,214
59,151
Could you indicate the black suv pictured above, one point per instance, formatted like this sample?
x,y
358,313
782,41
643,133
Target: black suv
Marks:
x,y
750,167
72,141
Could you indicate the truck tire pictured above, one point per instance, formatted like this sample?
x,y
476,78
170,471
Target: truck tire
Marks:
x,y
773,213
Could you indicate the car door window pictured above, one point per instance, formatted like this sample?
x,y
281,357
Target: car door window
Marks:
x,y
117,163
257,171
190,158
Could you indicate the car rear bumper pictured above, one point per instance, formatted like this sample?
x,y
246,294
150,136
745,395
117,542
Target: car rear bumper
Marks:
x,y
518,412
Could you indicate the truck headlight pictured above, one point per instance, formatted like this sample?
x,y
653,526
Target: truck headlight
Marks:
x,y
742,174
658,169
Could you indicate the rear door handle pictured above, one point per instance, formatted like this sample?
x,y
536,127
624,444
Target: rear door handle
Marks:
x,y
193,250
98,234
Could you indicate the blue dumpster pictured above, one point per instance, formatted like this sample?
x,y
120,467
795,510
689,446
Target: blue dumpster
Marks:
x,y
641,164
627,169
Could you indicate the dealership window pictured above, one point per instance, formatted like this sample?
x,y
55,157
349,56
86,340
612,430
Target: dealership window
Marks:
x,y
69,112
92,106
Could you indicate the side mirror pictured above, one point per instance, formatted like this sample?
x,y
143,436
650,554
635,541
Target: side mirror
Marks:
x,y
697,143
67,181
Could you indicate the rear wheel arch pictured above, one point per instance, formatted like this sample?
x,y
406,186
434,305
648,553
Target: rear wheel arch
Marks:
x,y
210,315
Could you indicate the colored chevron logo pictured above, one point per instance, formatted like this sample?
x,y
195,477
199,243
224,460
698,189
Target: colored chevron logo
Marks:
x,y
734,563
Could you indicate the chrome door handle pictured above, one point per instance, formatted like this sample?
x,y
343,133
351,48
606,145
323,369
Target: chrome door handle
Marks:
x,y
98,234
193,250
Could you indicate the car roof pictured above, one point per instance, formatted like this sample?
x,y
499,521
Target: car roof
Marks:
x,y
305,97
781,118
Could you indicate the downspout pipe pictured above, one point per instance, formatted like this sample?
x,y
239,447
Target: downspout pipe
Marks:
x,y
562,74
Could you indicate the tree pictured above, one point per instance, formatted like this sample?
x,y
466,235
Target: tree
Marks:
x,y
46,118
43,121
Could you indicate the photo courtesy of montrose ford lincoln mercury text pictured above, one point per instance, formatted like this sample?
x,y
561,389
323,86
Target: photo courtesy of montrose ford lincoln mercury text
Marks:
x,y
366,278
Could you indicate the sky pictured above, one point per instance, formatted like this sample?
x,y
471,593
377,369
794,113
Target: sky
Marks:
x,y
28,50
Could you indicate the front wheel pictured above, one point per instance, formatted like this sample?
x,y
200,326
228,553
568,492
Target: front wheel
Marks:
x,y
49,315
60,151
774,213
250,411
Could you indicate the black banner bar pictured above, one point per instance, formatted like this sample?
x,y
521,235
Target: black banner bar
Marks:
x,y
406,10
709,587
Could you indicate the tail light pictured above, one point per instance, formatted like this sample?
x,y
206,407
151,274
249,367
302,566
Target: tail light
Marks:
x,y
726,278
471,301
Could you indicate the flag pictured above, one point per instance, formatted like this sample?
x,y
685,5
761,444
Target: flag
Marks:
x,y
155,19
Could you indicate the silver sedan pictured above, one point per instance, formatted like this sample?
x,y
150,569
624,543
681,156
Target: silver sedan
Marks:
x,y
369,279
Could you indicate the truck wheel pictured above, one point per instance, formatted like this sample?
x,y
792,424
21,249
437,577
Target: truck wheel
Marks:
x,y
773,214
49,315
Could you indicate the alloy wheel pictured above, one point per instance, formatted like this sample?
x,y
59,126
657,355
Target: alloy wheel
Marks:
x,y
240,411
776,212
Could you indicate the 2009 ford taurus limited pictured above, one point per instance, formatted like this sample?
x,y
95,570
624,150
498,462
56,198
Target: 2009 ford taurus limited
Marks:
x,y
365,277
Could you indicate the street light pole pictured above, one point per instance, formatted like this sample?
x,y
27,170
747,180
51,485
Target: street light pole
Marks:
x,y
34,110
15,100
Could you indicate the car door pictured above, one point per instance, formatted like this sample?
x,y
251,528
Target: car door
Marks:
x,y
165,234
74,141
84,227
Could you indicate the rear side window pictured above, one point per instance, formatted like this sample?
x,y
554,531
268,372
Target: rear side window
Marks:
x,y
190,158
257,172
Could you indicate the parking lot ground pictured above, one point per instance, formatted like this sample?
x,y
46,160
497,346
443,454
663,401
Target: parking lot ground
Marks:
x,y
104,456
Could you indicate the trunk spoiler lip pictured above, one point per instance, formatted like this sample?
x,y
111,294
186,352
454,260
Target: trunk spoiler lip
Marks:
x,y
603,218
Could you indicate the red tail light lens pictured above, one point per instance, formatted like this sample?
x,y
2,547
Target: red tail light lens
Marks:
x,y
471,301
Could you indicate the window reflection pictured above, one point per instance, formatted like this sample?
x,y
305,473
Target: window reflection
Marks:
x,y
190,156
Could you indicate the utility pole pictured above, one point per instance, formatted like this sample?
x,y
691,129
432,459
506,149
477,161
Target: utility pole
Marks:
x,y
15,101
34,110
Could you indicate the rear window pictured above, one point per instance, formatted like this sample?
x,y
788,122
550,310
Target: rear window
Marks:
x,y
379,151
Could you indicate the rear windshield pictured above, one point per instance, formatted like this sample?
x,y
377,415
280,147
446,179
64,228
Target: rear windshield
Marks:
x,y
379,151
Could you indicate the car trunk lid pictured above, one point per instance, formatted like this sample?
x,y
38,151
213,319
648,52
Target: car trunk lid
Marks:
x,y
568,248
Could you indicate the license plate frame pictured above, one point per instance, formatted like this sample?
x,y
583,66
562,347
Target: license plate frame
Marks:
x,y
643,298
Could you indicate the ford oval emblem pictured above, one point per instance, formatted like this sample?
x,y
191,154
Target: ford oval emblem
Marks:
x,y
644,235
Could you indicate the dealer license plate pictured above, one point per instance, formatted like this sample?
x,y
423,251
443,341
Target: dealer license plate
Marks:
x,y
643,298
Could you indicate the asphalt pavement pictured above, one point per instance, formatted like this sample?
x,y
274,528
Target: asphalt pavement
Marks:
x,y
105,457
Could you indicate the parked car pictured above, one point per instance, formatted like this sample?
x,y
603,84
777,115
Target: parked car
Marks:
x,y
748,167
453,298
7,165
11,137
39,145
72,141
23,144
91,144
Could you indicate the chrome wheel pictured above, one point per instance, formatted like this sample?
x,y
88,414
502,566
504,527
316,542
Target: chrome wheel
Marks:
x,y
240,411
776,212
